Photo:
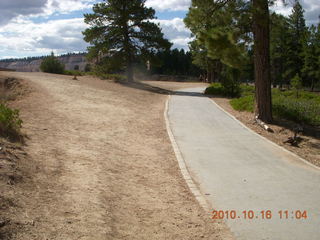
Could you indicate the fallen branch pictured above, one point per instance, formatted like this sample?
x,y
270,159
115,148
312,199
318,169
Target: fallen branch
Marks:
x,y
295,139
263,125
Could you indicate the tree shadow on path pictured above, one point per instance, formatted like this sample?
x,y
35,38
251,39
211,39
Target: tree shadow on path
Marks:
x,y
158,90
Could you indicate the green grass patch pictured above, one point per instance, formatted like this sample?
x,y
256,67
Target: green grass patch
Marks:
x,y
107,76
245,103
300,110
113,77
246,90
73,73
304,109
10,122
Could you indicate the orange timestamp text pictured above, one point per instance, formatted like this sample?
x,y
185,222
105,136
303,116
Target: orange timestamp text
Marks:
x,y
263,214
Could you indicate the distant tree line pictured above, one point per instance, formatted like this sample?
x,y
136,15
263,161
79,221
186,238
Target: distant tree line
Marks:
x,y
175,62
30,59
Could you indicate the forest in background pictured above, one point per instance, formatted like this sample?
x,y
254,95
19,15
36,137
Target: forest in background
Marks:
x,y
223,44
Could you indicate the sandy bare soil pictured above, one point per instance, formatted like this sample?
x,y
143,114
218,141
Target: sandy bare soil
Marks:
x,y
100,166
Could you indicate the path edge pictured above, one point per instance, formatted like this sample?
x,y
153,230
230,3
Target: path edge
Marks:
x,y
182,164
268,140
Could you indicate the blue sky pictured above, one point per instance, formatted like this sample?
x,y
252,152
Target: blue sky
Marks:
x,y
37,27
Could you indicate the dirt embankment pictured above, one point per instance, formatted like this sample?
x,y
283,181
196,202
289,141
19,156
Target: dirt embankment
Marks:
x,y
13,160
99,165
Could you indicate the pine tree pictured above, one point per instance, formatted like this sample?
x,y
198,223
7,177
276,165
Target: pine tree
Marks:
x,y
279,57
297,40
263,107
51,64
219,28
311,54
200,19
120,31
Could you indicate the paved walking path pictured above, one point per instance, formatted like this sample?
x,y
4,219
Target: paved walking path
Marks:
x,y
239,170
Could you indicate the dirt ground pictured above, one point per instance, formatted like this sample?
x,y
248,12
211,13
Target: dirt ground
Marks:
x,y
98,164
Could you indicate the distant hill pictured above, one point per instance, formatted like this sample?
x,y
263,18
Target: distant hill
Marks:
x,y
32,64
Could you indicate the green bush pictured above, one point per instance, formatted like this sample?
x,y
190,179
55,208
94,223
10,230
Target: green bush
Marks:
x,y
73,73
299,110
87,68
230,82
215,89
246,90
220,90
296,84
302,95
10,122
51,64
114,77
305,109
231,89
243,104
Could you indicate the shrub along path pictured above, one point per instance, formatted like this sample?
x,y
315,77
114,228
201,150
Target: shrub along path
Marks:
x,y
101,166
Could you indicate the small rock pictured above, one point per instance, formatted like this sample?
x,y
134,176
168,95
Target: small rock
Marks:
x,y
3,223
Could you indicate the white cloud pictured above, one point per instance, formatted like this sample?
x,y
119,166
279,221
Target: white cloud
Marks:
x,y
176,32
311,8
20,35
26,37
66,6
169,5
12,9
181,42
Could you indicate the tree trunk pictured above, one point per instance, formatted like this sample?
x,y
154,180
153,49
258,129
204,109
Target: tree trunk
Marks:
x,y
129,72
262,60
312,85
211,76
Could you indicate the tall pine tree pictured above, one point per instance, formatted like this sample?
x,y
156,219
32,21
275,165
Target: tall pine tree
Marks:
x,y
297,40
219,29
279,49
199,19
121,31
261,32
311,55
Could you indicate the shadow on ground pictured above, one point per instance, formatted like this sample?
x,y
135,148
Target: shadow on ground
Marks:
x,y
311,131
158,90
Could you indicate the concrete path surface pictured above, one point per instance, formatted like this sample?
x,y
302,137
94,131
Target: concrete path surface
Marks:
x,y
241,171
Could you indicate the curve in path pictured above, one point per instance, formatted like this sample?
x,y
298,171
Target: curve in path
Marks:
x,y
239,170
